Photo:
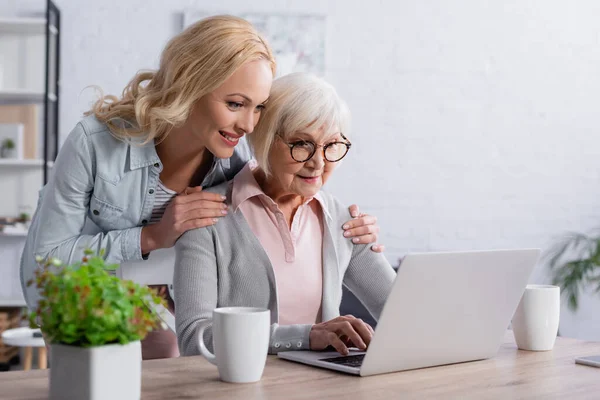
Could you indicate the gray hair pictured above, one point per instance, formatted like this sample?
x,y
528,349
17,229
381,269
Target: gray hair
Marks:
x,y
298,101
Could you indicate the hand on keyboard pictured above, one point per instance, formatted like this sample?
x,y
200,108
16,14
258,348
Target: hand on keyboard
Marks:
x,y
341,333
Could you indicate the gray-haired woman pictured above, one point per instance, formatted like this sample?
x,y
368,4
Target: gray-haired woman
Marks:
x,y
278,248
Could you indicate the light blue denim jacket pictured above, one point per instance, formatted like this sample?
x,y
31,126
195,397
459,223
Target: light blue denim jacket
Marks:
x,y
99,196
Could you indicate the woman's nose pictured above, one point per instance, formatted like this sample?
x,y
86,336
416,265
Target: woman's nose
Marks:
x,y
247,122
318,159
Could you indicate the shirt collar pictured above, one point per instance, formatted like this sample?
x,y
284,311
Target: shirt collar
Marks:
x,y
245,187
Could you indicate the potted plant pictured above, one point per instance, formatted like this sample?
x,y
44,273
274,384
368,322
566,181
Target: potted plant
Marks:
x,y
94,323
24,217
8,149
575,264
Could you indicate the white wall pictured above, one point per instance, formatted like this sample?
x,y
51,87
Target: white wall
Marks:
x,y
475,123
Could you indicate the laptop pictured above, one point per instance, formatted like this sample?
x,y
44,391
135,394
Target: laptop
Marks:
x,y
444,308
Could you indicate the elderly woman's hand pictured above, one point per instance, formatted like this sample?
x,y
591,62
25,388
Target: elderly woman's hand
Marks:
x,y
341,333
362,228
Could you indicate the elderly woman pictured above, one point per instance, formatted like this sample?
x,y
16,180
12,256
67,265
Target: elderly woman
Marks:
x,y
281,246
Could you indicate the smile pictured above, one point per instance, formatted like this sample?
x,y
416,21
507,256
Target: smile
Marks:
x,y
310,179
230,138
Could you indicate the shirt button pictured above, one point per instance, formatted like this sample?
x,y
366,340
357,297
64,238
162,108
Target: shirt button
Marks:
x,y
151,191
156,165
287,346
144,221
96,212
277,345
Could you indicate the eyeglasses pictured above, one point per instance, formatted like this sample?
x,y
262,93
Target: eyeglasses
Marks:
x,y
304,150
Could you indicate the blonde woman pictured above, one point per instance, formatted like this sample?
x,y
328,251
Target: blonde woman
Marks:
x,y
286,255
129,178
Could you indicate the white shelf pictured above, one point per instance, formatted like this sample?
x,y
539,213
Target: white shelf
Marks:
x,y
23,96
25,26
12,303
13,234
23,163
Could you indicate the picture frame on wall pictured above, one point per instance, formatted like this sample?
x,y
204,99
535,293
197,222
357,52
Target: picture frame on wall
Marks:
x,y
29,117
13,134
297,40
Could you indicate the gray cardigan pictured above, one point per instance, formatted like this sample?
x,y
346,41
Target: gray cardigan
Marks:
x,y
225,265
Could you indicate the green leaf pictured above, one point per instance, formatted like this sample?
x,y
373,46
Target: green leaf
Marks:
x,y
111,267
574,262
85,306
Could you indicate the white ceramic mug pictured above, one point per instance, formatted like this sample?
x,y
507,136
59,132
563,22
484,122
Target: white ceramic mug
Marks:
x,y
240,342
535,323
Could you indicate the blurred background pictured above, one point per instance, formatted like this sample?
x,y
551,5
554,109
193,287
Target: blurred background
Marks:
x,y
475,123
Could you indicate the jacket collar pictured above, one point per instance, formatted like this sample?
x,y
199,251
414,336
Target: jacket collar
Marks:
x,y
142,155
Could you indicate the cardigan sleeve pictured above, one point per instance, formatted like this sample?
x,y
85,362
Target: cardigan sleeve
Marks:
x,y
195,280
196,283
370,277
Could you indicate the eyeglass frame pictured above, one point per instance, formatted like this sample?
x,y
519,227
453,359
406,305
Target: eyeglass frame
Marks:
x,y
347,143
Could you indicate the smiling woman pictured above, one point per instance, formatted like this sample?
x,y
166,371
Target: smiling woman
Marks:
x,y
130,177
221,118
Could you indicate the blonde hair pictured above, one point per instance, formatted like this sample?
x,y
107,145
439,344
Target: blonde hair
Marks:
x,y
297,102
194,63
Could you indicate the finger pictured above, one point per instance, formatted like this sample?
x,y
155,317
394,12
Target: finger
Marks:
x,y
337,343
197,223
183,212
362,329
199,195
182,209
378,248
201,213
370,328
365,239
192,189
354,211
361,231
346,328
362,221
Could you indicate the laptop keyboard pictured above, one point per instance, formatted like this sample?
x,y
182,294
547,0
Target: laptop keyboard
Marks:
x,y
349,361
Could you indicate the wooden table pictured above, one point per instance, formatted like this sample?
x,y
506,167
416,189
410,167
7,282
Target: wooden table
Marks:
x,y
511,374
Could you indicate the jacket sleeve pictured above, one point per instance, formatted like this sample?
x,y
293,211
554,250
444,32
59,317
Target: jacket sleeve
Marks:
x,y
57,225
196,282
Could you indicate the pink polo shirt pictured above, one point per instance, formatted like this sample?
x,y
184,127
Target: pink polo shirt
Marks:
x,y
295,253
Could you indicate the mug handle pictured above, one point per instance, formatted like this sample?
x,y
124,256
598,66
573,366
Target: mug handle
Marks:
x,y
205,352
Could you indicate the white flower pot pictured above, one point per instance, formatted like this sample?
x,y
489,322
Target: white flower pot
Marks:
x,y
96,373
8,153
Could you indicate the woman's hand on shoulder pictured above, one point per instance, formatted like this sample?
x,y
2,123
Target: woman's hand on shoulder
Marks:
x,y
362,229
194,208
341,333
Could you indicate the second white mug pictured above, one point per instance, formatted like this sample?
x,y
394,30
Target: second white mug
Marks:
x,y
240,342
535,323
